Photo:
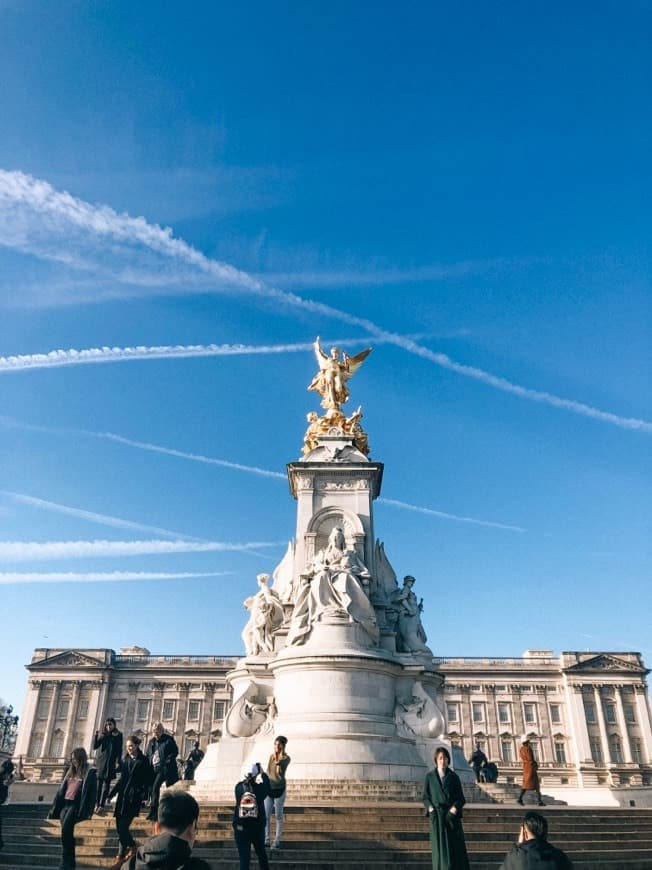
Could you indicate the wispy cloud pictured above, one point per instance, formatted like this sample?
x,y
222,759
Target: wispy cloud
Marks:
x,y
392,502
102,519
37,218
10,577
24,551
194,457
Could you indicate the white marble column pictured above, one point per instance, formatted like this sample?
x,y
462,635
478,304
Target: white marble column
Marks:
x,y
72,718
93,704
207,715
27,722
602,727
576,716
644,721
52,716
622,725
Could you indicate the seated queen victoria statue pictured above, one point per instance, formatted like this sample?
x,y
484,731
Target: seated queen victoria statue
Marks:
x,y
334,584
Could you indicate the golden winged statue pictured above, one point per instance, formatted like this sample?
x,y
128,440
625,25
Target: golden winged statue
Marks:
x,y
334,372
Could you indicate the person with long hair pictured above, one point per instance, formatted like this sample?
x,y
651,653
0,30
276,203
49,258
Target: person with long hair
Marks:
x,y
108,752
131,788
74,802
443,800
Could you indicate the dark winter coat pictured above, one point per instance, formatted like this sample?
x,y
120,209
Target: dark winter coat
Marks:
x,y
86,799
446,834
165,852
133,786
530,767
108,752
536,854
168,751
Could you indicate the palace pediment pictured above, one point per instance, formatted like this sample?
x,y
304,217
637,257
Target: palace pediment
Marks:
x,y
603,663
69,659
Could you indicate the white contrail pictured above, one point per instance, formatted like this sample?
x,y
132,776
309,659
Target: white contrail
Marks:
x,y
446,516
85,356
59,213
194,457
10,577
24,551
103,519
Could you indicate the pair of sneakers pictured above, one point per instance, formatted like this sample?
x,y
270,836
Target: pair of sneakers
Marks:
x,y
274,845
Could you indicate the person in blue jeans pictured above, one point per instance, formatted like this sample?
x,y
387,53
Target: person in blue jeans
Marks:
x,y
74,802
249,816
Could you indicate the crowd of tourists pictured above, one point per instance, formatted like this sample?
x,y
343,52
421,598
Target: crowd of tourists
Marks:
x,y
134,780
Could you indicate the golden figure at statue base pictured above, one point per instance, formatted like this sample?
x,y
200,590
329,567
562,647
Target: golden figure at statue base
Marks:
x,y
334,422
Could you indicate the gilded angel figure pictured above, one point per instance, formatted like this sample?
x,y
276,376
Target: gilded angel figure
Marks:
x,y
330,380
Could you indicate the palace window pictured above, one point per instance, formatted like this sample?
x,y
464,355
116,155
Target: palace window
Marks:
x,y
56,745
610,713
193,710
118,709
504,714
219,709
64,707
596,752
589,712
637,751
142,710
507,751
555,713
82,710
529,714
535,750
36,746
42,710
560,752
616,749
168,709
451,712
478,712
630,715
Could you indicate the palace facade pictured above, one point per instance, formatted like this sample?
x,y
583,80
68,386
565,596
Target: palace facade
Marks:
x,y
587,714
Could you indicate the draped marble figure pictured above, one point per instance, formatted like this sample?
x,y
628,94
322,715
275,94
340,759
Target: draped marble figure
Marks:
x,y
334,584
266,615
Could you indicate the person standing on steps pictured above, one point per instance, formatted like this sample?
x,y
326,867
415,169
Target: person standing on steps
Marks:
x,y
276,767
132,789
193,761
443,800
162,752
530,775
74,802
533,849
249,816
477,760
6,778
108,752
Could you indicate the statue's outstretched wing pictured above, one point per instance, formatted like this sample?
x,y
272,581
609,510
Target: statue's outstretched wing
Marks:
x,y
322,358
353,363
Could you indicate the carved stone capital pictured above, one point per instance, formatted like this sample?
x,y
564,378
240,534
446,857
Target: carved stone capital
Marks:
x,y
134,684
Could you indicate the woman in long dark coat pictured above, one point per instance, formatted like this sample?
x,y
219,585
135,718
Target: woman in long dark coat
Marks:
x,y
108,752
73,803
131,788
443,800
530,772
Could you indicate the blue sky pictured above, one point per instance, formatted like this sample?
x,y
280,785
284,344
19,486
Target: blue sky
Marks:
x,y
464,188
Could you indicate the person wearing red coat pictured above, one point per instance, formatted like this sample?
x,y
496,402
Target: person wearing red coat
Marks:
x,y
530,775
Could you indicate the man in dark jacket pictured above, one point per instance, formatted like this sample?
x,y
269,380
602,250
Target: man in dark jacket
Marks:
x,y
162,753
533,851
175,833
249,816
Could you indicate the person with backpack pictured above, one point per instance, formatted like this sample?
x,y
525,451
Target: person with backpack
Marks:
x,y
131,788
175,833
249,816
108,752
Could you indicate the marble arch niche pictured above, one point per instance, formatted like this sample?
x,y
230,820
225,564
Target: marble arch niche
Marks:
x,y
323,523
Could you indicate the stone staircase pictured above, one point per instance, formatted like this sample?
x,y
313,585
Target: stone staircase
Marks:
x,y
506,793
354,836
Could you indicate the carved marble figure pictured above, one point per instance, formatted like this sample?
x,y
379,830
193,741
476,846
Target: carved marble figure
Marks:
x,y
335,584
265,616
330,380
411,637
